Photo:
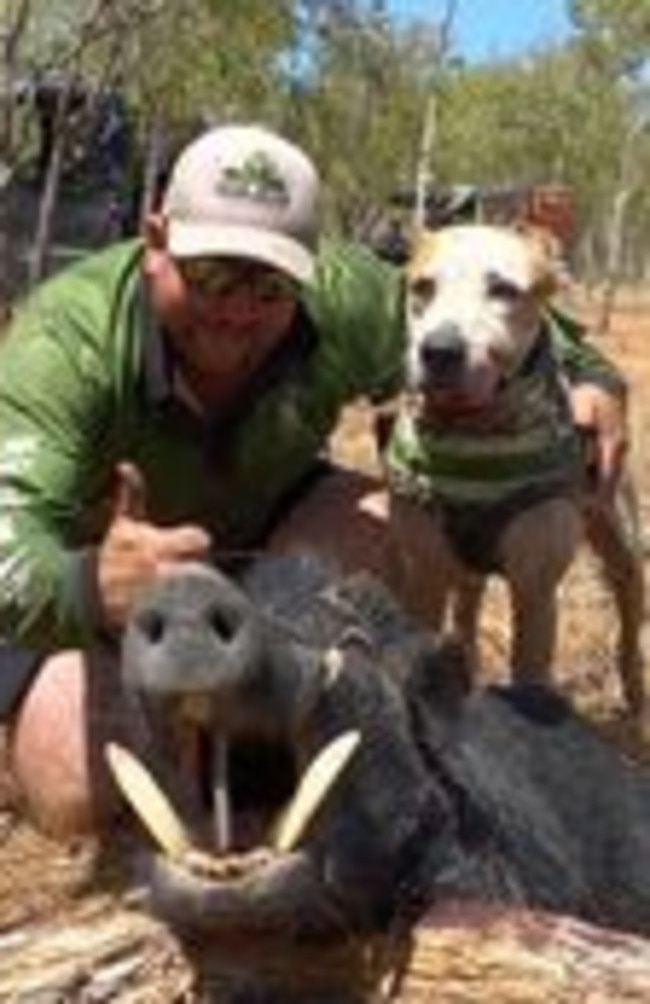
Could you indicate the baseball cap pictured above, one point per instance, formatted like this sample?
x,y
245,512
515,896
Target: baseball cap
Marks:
x,y
243,191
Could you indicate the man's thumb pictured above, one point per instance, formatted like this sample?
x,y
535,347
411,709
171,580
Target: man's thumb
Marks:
x,y
130,492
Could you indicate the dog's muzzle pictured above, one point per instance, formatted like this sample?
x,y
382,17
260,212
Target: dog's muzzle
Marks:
x,y
442,357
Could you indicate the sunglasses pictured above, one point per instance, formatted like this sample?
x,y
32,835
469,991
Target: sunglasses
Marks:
x,y
218,278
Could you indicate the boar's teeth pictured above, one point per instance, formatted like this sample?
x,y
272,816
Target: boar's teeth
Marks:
x,y
229,867
315,784
149,801
222,816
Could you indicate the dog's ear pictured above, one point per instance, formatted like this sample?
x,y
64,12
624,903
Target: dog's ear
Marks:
x,y
422,244
549,268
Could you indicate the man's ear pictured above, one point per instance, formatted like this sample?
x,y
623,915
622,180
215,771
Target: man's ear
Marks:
x,y
155,232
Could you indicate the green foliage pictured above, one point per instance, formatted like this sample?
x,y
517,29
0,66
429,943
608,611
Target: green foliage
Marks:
x,y
367,93
616,33
546,119
359,89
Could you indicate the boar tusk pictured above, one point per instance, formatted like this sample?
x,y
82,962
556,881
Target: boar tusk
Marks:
x,y
221,802
160,819
315,784
150,803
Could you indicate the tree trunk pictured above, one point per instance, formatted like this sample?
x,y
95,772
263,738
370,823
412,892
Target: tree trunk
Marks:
x,y
49,196
11,33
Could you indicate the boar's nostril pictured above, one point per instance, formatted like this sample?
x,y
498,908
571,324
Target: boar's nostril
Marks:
x,y
152,626
223,623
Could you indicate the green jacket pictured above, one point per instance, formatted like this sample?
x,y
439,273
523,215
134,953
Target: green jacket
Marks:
x,y
85,384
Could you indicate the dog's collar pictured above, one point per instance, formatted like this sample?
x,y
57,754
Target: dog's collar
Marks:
x,y
540,353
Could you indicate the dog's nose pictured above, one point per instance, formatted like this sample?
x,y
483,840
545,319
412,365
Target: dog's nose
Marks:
x,y
442,353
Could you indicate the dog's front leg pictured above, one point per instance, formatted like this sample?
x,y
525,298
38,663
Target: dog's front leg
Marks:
x,y
537,549
613,532
465,615
427,576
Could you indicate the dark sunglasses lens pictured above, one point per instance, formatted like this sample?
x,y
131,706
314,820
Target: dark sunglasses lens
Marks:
x,y
205,275
274,286
213,277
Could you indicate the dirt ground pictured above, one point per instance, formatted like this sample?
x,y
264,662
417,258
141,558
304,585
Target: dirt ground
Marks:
x,y
42,882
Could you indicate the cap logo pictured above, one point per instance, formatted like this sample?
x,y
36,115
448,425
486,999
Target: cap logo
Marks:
x,y
255,178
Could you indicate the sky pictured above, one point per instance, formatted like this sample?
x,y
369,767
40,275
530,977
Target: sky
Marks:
x,y
493,29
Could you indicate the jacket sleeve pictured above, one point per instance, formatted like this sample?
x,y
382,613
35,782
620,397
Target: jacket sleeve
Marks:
x,y
357,302
52,414
581,360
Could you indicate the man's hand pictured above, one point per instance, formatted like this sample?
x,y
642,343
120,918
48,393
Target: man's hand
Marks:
x,y
135,552
603,416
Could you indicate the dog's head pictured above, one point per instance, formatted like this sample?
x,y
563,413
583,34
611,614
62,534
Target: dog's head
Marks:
x,y
474,305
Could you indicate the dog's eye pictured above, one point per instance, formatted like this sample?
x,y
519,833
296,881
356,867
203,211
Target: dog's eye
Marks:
x,y
499,288
421,292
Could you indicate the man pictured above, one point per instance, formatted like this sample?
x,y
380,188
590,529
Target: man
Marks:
x,y
169,399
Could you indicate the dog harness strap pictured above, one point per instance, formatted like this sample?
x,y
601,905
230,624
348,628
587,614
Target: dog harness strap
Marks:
x,y
475,531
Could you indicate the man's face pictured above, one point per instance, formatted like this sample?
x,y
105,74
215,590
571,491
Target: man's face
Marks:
x,y
220,313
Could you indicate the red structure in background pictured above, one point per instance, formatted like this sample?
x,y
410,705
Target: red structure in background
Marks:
x,y
550,206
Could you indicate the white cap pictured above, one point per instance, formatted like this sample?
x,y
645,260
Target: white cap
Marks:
x,y
243,191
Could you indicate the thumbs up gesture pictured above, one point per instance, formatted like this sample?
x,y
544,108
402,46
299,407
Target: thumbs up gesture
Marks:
x,y
134,552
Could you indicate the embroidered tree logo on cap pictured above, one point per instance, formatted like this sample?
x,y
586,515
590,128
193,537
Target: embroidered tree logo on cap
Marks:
x,y
258,178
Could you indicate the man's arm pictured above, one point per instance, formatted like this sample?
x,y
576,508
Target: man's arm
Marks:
x,y
598,392
75,548
581,360
356,303
53,416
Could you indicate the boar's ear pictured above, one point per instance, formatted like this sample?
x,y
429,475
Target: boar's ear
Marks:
x,y
441,676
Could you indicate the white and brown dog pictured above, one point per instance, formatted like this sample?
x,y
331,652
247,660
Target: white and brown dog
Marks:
x,y
486,466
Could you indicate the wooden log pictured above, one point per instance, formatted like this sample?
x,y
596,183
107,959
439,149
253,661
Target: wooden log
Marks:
x,y
462,953
482,955
102,950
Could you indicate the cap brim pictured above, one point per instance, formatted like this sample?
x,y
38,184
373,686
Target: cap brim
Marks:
x,y
191,240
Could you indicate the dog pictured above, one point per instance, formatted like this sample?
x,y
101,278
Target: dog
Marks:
x,y
488,471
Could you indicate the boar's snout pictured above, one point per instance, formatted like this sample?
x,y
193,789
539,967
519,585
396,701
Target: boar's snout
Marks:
x,y
193,632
